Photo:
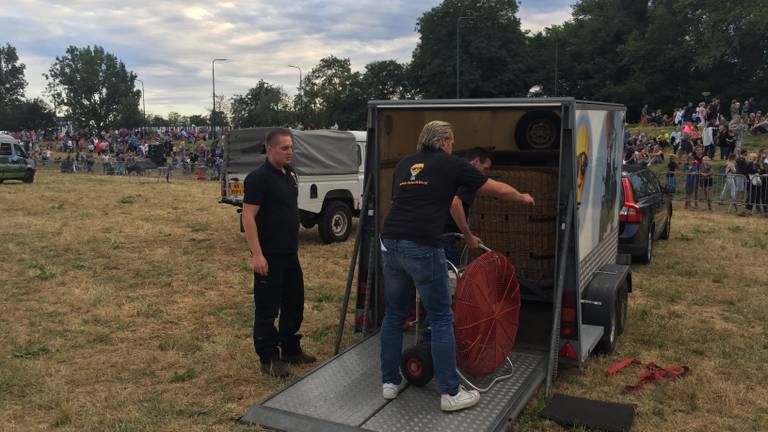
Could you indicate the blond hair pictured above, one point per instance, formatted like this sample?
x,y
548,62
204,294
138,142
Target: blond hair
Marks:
x,y
433,134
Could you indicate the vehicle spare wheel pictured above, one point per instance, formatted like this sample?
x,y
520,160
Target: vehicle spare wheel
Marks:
x,y
538,130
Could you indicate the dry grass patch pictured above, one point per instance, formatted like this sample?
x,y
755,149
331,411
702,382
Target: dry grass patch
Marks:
x,y
127,306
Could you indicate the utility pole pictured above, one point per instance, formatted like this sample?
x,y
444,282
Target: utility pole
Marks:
x,y
301,95
458,39
143,104
213,82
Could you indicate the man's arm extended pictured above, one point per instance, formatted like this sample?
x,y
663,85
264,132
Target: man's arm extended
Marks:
x,y
458,215
258,262
504,192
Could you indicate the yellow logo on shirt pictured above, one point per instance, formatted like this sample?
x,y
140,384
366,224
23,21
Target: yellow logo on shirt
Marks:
x,y
415,170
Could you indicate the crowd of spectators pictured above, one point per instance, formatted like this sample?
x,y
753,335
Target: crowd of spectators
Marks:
x,y
687,152
125,151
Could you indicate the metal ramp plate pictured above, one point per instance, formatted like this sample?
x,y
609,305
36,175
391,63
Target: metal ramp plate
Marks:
x,y
345,394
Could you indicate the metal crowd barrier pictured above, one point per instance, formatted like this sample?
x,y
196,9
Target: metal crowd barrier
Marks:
x,y
734,190
190,171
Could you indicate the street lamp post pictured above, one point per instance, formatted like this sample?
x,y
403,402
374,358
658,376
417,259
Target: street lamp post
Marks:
x,y
143,104
301,93
213,82
458,39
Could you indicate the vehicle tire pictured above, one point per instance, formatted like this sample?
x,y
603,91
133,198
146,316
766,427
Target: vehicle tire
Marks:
x,y
610,329
335,222
416,364
538,130
29,177
622,303
307,219
647,255
604,312
667,227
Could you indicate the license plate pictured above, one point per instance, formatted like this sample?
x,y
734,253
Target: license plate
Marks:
x,y
235,189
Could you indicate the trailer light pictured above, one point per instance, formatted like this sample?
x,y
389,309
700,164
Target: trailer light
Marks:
x,y
568,352
569,315
568,330
569,300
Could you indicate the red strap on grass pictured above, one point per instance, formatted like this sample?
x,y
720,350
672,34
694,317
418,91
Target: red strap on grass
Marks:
x,y
653,372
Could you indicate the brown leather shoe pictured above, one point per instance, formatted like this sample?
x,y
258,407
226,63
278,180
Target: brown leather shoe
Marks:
x,y
277,369
301,358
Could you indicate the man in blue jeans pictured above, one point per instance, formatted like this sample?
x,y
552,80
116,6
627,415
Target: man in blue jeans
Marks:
x,y
424,185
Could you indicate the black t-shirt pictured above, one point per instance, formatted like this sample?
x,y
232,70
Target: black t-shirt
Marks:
x,y
467,197
423,186
276,194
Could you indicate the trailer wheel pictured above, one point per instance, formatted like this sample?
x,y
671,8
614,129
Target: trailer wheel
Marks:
x,y
610,326
622,300
335,222
416,364
608,309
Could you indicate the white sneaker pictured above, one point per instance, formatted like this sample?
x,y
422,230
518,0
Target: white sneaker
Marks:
x,y
462,399
390,391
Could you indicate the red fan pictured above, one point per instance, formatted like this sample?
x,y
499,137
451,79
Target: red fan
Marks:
x,y
487,312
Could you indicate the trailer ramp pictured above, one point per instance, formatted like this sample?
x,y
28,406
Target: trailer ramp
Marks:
x,y
344,394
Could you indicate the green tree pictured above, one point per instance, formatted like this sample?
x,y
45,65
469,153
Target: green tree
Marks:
x,y
263,105
386,79
333,95
494,60
12,82
198,120
157,121
29,114
91,86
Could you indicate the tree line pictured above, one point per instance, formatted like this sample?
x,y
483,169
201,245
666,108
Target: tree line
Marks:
x,y
663,53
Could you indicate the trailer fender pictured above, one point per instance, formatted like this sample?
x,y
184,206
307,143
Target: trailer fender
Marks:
x,y
605,303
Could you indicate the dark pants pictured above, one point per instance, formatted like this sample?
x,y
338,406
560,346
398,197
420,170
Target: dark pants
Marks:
x,y
282,290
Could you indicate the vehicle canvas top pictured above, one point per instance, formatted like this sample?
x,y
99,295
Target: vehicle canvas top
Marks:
x,y
315,152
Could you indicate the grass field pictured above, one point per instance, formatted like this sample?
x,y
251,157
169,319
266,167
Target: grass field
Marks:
x,y
127,306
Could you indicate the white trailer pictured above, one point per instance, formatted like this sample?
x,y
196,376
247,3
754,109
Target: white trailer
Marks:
x,y
575,286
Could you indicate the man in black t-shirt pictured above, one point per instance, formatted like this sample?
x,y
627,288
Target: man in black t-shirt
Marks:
x,y
271,223
424,185
461,207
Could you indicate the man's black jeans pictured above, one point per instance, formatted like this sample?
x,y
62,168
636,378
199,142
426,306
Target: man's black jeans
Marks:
x,y
282,290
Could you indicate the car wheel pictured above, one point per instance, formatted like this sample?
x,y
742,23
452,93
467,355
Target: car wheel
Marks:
x,y
667,228
648,253
29,177
336,222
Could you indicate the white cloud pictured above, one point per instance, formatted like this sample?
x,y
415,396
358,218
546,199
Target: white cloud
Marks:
x,y
170,44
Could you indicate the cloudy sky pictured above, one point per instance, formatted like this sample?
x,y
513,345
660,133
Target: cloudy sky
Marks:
x,y
170,43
